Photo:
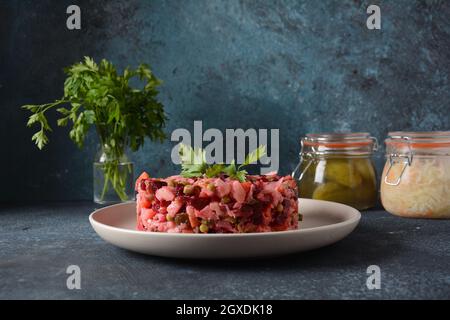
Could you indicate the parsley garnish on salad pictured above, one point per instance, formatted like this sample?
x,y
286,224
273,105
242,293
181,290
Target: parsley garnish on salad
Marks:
x,y
193,163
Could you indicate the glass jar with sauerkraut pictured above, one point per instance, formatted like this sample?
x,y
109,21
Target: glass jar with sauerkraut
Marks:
x,y
338,167
416,178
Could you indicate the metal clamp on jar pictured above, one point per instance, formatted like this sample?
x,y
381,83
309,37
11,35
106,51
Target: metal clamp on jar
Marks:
x,y
395,158
338,167
416,176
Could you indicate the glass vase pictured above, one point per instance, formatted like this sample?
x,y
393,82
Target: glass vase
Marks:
x,y
113,177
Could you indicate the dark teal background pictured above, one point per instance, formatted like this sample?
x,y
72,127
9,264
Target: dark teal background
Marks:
x,y
301,66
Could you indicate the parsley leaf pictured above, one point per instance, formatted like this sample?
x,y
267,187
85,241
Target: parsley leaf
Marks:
x,y
215,170
231,169
254,156
193,164
240,175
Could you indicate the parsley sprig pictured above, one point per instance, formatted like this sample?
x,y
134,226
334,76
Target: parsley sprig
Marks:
x,y
96,94
193,163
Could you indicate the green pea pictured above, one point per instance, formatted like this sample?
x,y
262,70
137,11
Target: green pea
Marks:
x,y
225,199
188,189
204,228
181,218
171,183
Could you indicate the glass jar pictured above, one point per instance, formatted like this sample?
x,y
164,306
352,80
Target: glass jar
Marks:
x,y
416,178
113,176
338,167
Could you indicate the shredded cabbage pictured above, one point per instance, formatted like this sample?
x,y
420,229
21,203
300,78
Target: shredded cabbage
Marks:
x,y
424,189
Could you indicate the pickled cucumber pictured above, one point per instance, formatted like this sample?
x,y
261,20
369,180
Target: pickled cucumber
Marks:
x,y
332,191
365,169
365,197
343,172
351,181
306,185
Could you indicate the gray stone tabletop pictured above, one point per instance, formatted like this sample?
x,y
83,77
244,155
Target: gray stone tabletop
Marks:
x,y
39,242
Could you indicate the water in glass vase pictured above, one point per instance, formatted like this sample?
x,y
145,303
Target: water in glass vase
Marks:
x,y
113,179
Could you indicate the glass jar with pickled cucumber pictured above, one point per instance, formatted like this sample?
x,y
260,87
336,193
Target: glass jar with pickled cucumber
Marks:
x,y
338,167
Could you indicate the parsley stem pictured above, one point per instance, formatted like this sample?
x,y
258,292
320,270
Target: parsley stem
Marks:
x,y
105,187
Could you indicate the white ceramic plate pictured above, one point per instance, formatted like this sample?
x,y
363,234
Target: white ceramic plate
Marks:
x,y
323,223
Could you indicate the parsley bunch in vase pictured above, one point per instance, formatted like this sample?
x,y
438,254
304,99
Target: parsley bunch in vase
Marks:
x,y
97,95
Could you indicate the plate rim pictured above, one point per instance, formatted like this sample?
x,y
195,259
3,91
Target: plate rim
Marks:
x,y
354,220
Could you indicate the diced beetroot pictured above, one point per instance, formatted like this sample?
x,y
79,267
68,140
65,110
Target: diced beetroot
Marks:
x,y
197,190
156,206
246,210
164,203
199,203
257,218
179,190
157,184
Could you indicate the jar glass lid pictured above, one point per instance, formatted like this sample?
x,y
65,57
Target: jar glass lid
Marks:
x,y
360,143
419,140
404,146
